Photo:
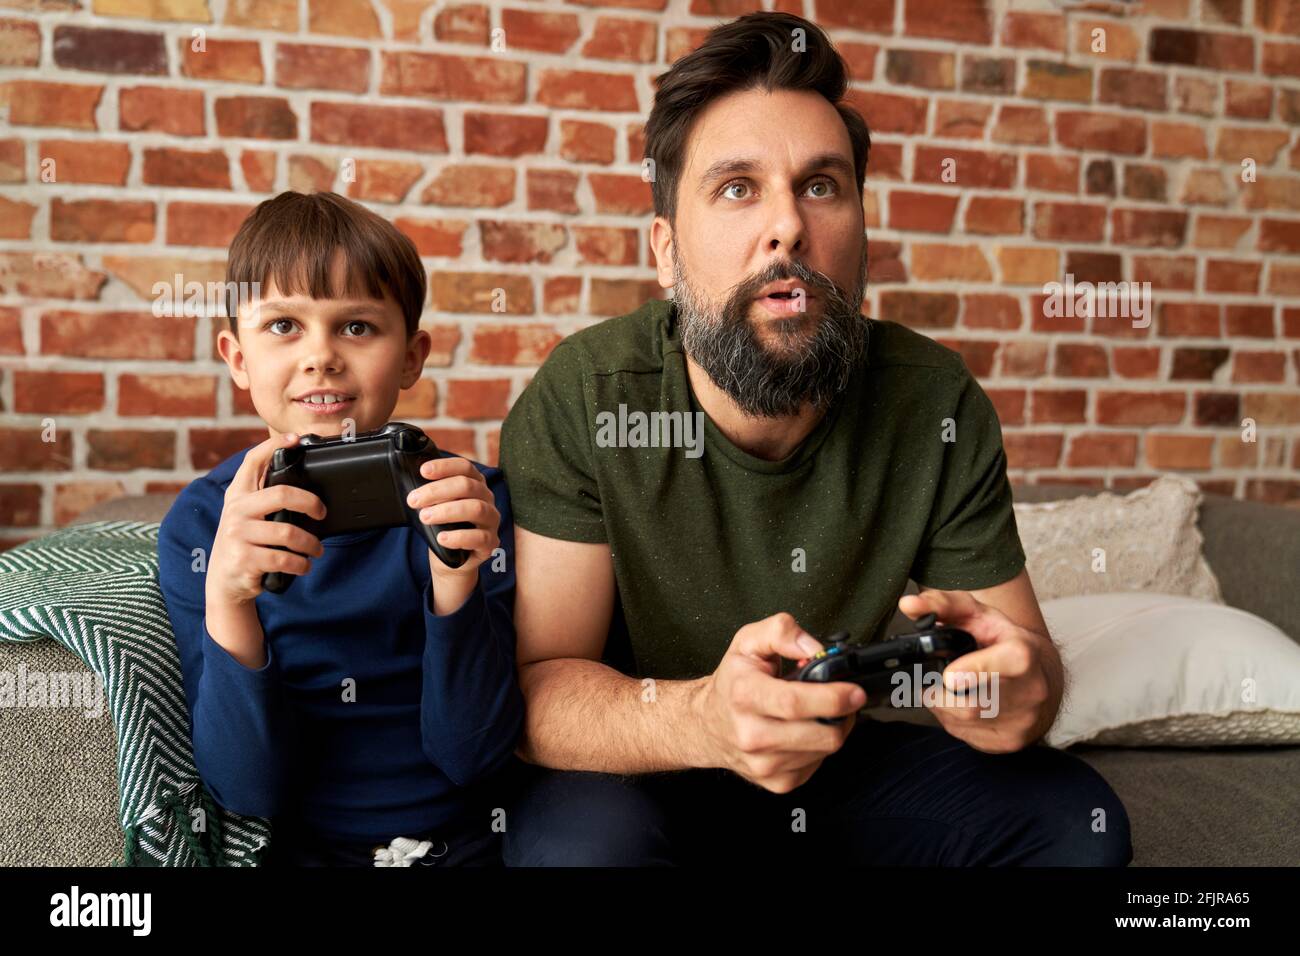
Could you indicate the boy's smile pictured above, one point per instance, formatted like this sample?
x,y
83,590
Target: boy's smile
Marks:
x,y
312,365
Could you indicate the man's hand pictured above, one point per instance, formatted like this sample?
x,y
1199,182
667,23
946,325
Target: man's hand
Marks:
x,y
762,727
1024,664
457,491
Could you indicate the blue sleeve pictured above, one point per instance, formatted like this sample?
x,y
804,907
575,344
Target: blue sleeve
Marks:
x,y
237,715
471,709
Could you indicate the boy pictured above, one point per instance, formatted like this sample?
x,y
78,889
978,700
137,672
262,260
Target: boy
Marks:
x,y
376,698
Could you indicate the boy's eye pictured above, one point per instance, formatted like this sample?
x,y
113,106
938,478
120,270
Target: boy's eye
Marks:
x,y
364,326
273,323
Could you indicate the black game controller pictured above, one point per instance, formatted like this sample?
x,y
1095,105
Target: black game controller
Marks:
x,y
872,666
363,482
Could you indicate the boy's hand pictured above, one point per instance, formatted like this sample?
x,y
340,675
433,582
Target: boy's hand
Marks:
x,y
457,491
242,550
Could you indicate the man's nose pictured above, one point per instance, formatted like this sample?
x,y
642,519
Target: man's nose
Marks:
x,y
785,228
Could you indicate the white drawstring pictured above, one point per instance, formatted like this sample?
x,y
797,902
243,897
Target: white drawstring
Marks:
x,y
404,851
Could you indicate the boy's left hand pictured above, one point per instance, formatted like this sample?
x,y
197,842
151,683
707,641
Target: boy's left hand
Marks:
x,y
457,491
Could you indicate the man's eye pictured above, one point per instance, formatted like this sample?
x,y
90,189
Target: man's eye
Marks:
x,y
828,183
732,185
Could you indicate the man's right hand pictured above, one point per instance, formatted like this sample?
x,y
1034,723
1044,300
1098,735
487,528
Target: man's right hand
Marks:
x,y
242,550
762,727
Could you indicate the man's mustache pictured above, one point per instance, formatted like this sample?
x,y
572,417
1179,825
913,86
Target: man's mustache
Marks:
x,y
748,288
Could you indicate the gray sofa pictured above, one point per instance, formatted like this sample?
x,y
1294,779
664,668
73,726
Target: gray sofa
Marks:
x,y
1207,807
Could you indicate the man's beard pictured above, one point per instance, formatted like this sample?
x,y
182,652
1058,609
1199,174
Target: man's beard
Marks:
x,y
801,368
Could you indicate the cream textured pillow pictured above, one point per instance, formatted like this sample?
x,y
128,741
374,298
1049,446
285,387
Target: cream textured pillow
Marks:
x,y
1144,541
1149,670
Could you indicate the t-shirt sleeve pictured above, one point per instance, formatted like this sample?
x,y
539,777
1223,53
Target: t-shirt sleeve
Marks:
x,y
546,454
971,541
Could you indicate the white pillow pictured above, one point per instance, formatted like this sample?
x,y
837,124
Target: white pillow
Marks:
x,y
1144,541
1148,670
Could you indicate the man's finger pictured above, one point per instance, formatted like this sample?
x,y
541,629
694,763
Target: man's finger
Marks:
x,y
778,635
957,609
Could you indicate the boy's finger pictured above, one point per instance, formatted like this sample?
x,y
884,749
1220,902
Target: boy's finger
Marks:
x,y
248,477
436,468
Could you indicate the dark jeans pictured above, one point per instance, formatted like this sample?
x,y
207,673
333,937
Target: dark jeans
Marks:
x,y
467,844
894,794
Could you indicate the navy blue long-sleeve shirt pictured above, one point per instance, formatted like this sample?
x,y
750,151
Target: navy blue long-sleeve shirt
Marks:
x,y
373,717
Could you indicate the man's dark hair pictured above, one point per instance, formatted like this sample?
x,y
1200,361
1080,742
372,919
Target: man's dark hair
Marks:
x,y
756,50
293,239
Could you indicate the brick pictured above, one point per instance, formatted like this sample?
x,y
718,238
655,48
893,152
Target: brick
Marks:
x,y
555,190
434,237
345,18
1032,451
208,169
977,355
1196,363
71,499
38,103
173,396
1216,408
1248,100
1120,42
500,134
925,212
1178,451
1136,89
520,241
943,261
1220,232
130,449
1148,227
20,43
155,9
209,447
467,23
1028,265
101,220
79,161
13,161
204,224
1258,367
16,219
512,294
471,185
1131,361
582,142
1222,11
1277,16
256,117
235,61
990,170
1101,132
562,294
1102,450
620,194
1049,80
1022,125
1058,405
991,311
1177,140
445,337
890,112
281,15
69,393
1280,59
383,127
984,74
919,310
607,245
1166,272
1140,408
116,335
616,38
1099,178
995,215
320,67
142,273
478,399
1044,31
11,332
963,21
1236,143
109,50
1194,94
1078,360
547,32
162,110
587,90
480,79
1272,408
1204,186
1273,192
1009,404
1214,51
1224,275
1284,279
383,180
311,174
418,401
20,505
1069,222
960,119
1024,359
48,276
1249,320
1279,235
1052,173
925,68
1145,181
873,16
516,344
21,449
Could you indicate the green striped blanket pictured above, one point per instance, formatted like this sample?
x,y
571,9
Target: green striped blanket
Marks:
x,y
94,589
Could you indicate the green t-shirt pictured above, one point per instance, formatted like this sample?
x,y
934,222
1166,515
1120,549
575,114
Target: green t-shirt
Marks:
x,y
904,476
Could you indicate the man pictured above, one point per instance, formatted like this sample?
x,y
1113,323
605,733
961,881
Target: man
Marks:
x,y
840,457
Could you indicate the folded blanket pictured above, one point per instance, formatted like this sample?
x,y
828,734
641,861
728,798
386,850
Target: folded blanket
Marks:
x,y
94,589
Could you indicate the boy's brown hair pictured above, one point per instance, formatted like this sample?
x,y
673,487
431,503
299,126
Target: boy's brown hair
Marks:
x,y
293,239
756,50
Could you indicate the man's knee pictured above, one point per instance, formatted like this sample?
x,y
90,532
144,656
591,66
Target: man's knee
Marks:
x,y
563,818
1080,820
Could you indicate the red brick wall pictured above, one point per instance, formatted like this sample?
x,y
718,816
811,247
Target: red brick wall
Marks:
x,y
519,170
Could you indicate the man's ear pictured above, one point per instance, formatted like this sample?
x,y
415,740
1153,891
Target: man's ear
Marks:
x,y
418,346
230,351
661,241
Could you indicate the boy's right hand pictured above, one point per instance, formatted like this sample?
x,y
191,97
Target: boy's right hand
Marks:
x,y
243,548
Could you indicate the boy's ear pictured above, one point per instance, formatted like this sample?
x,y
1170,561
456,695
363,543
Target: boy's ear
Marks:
x,y
230,351
418,346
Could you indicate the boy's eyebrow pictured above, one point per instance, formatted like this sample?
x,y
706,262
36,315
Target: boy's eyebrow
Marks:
x,y
361,308
729,167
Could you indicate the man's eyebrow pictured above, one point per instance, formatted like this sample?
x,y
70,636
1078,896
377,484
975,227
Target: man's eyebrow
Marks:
x,y
732,166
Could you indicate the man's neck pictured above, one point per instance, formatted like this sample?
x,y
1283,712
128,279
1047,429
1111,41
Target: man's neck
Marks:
x,y
768,438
